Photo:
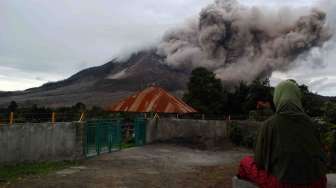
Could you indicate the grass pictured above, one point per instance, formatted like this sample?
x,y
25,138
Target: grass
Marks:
x,y
127,145
10,173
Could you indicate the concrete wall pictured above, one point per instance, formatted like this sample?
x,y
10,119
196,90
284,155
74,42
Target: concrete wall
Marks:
x,y
40,142
167,129
64,141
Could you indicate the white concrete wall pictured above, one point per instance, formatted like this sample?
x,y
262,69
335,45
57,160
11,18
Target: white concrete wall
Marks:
x,y
40,142
166,129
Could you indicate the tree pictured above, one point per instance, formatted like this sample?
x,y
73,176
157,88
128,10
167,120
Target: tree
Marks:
x,y
313,104
304,89
12,106
237,99
259,90
205,92
330,112
80,107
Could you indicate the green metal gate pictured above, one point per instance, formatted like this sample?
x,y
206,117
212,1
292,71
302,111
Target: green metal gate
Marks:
x,y
105,136
140,131
102,136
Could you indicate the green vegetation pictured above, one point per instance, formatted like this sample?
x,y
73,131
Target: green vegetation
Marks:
x,y
236,134
38,114
12,106
127,145
14,172
242,137
329,109
205,91
326,121
209,95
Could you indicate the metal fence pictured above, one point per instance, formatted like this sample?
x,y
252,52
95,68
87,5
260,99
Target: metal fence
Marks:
x,y
204,116
108,135
53,117
102,136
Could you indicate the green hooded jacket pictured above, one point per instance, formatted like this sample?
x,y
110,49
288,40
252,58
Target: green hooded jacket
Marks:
x,y
288,144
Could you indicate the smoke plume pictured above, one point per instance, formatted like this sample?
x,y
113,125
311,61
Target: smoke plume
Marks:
x,y
241,43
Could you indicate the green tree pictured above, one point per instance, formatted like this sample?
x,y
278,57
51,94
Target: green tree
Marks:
x,y
259,90
12,106
304,89
312,103
205,92
80,107
330,112
237,99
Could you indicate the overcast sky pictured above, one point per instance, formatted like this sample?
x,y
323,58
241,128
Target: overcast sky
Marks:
x,y
45,40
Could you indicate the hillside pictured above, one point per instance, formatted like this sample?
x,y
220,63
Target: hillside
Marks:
x,y
108,83
104,84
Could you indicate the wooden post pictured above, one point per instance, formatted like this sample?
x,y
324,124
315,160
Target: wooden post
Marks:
x,y
81,117
53,118
203,117
11,118
177,116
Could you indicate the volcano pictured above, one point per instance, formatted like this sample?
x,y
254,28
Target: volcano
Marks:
x,y
236,42
105,84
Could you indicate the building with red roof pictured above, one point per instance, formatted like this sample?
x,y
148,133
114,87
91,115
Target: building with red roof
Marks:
x,y
152,99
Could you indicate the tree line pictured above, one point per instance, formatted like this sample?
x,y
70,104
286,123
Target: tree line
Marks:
x,y
208,95
38,114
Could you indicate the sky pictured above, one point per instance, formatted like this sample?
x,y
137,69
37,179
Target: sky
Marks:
x,y
44,40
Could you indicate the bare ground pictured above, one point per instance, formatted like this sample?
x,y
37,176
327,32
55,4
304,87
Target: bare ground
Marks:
x,y
159,165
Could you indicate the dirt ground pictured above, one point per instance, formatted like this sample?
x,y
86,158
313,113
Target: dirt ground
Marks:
x,y
159,165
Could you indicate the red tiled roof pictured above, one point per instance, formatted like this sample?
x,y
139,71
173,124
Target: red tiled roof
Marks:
x,y
152,99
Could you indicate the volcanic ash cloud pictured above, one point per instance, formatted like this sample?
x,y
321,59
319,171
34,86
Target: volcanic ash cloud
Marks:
x,y
242,43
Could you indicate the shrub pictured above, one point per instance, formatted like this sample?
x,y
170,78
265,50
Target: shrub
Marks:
x,y
250,140
236,134
253,115
260,115
330,112
242,137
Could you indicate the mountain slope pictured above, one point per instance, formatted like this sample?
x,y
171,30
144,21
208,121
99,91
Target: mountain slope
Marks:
x,y
107,84
104,84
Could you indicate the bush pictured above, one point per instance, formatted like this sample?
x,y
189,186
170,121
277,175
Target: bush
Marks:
x,y
250,140
328,140
253,115
236,134
329,109
240,137
260,115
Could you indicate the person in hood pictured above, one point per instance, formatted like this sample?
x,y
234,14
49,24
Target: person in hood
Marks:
x,y
288,151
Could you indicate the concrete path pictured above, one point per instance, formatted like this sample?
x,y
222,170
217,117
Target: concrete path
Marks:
x,y
238,183
331,180
158,165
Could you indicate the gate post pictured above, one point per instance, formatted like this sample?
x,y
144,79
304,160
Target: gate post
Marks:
x,y
140,131
85,139
97,139
53,118
11,118
119,133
